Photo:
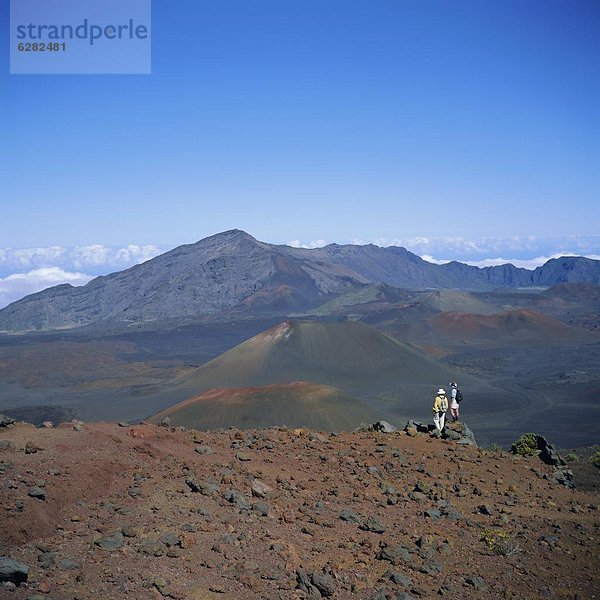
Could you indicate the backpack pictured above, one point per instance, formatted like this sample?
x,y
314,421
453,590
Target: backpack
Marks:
x,y
459,396
444,404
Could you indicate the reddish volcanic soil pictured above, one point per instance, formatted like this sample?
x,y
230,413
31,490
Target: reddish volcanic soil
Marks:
x,y
514,327
151,512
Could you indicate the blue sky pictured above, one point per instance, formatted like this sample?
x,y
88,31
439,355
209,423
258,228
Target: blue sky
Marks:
x,y
315,121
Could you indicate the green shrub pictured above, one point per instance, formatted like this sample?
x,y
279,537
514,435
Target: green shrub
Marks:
x,y
526,445
595,459
571,457
495,447
500,542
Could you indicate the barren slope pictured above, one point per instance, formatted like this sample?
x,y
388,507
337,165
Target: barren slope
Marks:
x,y
278,512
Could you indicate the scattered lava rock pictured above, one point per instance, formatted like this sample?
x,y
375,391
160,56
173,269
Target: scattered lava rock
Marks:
x,y
13,571
312,515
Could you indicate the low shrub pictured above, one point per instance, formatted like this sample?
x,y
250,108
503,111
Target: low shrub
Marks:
x,y
526,445
595,459
571,457
500,542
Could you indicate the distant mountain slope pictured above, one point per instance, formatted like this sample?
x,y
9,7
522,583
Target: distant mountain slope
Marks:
x,y
297,404
233,273
220,274
512,328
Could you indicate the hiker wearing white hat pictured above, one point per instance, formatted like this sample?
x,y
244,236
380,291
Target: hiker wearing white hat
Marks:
x,y
440,406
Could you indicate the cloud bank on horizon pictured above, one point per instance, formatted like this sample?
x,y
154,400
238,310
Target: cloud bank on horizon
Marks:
x,y
24,271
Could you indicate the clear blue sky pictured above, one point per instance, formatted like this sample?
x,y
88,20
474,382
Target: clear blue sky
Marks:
x,y
315,119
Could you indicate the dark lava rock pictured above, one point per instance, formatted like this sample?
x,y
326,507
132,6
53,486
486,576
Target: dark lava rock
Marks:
x,y
460,433
111,543
402,460
6,421
349,516
548,539
13,570
194,486
477,582
394,554
450,434
433,513
152,548
66,564
418,497
452,513
31,448
316,585
204,488
548,452
37,492
262,508
565,477
128,531
169,539
383,427
398,578
46,559
418,426
432,568
134,492
374,524
237,499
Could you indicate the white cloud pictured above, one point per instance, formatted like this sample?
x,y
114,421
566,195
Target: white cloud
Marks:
x,y
313,244
95,257
18,285
435,261
27,270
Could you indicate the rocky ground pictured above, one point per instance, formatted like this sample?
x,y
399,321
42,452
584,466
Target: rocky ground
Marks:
x,y
140,512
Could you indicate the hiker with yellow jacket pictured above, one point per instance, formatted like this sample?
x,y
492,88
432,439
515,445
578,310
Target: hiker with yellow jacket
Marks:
x,y
440,406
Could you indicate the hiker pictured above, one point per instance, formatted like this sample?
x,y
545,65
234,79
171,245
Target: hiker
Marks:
x,y
454,400
440,406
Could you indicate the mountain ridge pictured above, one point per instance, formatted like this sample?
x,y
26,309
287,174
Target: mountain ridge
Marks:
x,y
234,273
